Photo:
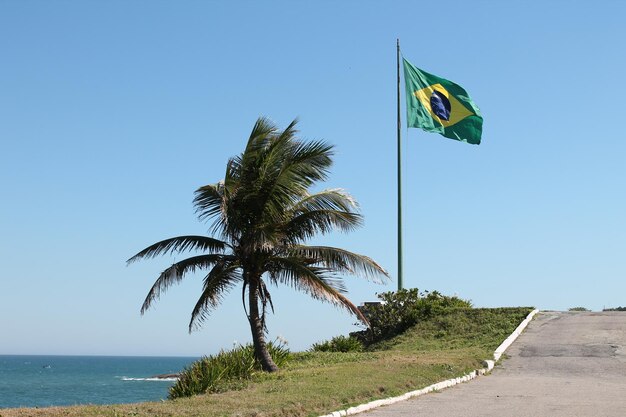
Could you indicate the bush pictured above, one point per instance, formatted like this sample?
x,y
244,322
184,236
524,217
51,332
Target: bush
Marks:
x,y
579,309
226,370
620,308
339,344
400,310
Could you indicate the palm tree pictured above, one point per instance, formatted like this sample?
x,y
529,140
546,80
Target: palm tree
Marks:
x,y
262,215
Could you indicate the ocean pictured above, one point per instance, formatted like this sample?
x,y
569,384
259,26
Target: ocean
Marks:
x,y
43,381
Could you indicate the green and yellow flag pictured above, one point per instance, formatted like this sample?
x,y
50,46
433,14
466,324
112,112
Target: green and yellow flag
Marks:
x,y
438,105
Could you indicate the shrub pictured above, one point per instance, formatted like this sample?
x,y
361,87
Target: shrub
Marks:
x,y
579,309
339,344
620,308
400,310
226,370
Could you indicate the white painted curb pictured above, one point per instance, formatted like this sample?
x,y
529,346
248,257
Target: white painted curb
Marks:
x,y
489,364
509,340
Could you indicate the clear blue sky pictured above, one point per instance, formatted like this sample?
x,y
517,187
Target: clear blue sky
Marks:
x,y
113,113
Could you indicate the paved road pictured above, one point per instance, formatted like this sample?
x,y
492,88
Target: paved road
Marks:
x,y
564,364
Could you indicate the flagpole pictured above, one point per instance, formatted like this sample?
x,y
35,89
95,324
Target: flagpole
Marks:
x,y
399,173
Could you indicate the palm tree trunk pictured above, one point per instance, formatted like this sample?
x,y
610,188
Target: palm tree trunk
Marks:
x,y
256,326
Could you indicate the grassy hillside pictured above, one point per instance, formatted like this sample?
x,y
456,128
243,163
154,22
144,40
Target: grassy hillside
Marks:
x,y
314,383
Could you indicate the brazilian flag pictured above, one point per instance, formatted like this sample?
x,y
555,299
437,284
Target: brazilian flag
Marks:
x,y
438,105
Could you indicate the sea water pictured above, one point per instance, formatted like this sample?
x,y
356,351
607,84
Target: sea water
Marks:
x,y
43,381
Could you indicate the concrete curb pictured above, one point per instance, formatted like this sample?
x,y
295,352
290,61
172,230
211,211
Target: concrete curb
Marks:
x,y
509,340
489,364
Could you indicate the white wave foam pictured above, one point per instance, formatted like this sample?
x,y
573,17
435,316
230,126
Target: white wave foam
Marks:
x,y
125,378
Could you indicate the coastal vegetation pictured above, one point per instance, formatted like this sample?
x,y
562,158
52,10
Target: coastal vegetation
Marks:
x,y
393,315
228,370
262,214
398,311
339,344
445,345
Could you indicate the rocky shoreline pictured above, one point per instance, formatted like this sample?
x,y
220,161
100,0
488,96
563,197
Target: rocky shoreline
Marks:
x,y
166,376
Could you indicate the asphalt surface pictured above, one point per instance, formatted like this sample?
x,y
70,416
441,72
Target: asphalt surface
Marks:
x,y
564,364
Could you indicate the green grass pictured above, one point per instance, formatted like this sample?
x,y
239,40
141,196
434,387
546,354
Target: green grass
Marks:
x,y
314,383
339,344
226,371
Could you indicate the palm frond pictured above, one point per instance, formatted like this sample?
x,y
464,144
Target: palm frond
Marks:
x,y
209,200
315,282
311,161
266,298
264,129
341,260
265,164
300,165
175,273
282,170
309,224
288,270
330,199
180,244
263,132
217,283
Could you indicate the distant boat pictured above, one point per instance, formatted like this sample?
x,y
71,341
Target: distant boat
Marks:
x,y
47,366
